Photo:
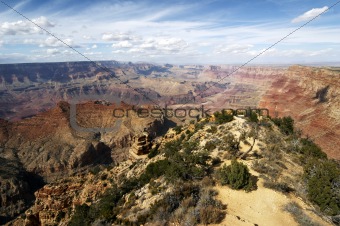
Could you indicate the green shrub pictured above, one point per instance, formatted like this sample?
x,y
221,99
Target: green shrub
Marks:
x,y
154,170
301,218
231,143
212,129
103,176
188,204
215,161
285,124
310,149
200,125
236,175
252,116
153,152
210,146
178,129
80,216
210,210
277,186
95,170
189,146
223,117
323,184
172,147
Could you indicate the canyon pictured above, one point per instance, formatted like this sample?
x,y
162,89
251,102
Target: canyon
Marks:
x,y
39,144
309,94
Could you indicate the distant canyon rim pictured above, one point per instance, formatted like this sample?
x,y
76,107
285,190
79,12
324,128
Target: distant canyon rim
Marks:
x,y
310,95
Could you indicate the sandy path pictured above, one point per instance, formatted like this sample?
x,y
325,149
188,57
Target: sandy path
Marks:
x,y
260,207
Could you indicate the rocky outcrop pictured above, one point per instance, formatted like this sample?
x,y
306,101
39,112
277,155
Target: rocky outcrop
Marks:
x,y
142,144
17,187
49,146
311,96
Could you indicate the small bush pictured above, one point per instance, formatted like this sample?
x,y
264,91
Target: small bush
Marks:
x,y
172,147
189,146
230,143
295,210
223,117
80,216
212,129
211,215
153,152
236,175
280,187
103,176
285,124
200,125
215,161
252,116
310,149
95,170
210,210
207,182
210,146
178,129
154,170
323,184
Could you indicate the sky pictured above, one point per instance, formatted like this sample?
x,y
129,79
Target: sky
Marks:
x,y
176,32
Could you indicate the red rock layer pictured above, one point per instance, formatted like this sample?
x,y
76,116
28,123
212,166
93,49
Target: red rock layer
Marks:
x,y
296,94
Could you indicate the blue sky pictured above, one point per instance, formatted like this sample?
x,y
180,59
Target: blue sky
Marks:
x,y
178,32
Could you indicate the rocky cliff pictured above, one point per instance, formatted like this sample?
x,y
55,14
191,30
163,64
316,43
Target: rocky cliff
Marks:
x,y
309,94
182,183
46,146
312,97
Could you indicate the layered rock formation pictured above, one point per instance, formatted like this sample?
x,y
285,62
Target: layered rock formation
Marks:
x,y
312,97
309,94
47,146
17,186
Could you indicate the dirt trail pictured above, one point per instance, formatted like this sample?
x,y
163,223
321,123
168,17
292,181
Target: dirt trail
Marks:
x,y
262,207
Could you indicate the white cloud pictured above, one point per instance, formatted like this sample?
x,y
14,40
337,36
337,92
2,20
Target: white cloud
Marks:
x,y
292,53
164,44
138,30
118,51
43,22
117,37
321,52
87,37
204,44
25,27
310,14
1,43
136,50
93,53
53,42
234,48
53,51
122,44
30,41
